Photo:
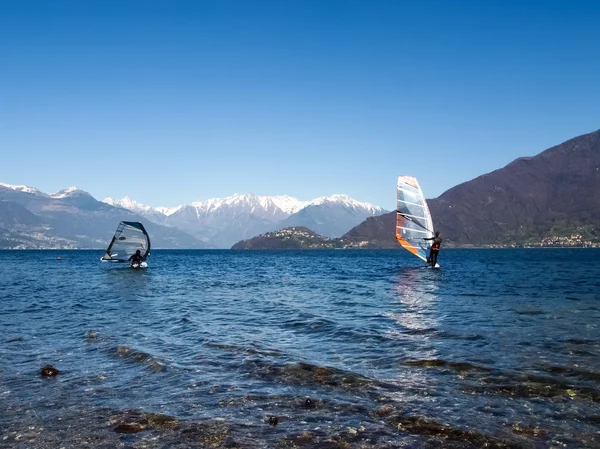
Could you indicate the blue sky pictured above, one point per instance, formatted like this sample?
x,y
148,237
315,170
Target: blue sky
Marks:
x,y
173,102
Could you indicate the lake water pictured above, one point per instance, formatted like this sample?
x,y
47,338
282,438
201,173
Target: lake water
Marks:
x,y
323,349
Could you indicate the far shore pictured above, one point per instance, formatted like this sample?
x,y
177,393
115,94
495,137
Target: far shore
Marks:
x,y
447,248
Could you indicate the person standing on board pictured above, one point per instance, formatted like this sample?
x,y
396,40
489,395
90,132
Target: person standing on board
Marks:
x,y
435,248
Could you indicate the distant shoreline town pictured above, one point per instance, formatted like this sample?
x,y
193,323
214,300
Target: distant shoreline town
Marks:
x,y
303,238
573,241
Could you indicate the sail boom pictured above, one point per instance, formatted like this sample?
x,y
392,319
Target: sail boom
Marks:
x,y
421,217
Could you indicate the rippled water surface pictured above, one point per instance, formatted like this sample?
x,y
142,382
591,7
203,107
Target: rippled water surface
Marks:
x,y
324,349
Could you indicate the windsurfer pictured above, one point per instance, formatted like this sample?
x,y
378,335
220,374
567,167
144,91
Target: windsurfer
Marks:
x,y
435,249
136,259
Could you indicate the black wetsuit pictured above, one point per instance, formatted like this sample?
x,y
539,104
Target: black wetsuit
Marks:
x,y
136,259
435,249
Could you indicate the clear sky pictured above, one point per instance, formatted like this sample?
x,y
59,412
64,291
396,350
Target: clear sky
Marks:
x,y
179,101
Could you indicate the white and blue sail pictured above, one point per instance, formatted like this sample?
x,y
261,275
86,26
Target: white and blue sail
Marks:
x,y
413,220
129,237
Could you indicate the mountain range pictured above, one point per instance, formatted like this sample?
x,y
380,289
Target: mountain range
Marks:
x,y
221,222
72,218
555,193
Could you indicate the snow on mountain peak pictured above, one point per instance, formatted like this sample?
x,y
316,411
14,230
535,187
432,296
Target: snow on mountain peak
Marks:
x,y
213,204
335,198
168,210
283,203
24,189
68,192
128,203
288,204
346,201
134,206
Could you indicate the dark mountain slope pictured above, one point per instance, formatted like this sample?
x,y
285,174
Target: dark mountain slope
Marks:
x,y
379,232
14,214
556,191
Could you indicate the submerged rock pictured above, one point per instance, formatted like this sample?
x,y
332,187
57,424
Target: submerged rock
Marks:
x,y
524,429
134,421
129,427
49,371
309,403
273,420
91,336
385,410
164,422
207,434
152,363
419,425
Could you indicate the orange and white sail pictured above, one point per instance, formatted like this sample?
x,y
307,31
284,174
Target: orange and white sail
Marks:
x,y
413,220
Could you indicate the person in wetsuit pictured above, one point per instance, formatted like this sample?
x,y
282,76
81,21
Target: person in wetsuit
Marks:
x,y
136,258
435,249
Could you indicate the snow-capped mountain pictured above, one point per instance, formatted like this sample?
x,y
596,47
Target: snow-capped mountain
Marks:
x,y
81,199
225,221
167,210
288,204
23,189
218,222
70,191
269,205
332,216
222,221
128,203
346,201
71,218
149,212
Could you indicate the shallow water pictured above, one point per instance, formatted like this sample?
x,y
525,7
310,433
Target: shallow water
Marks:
x,y
334,348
